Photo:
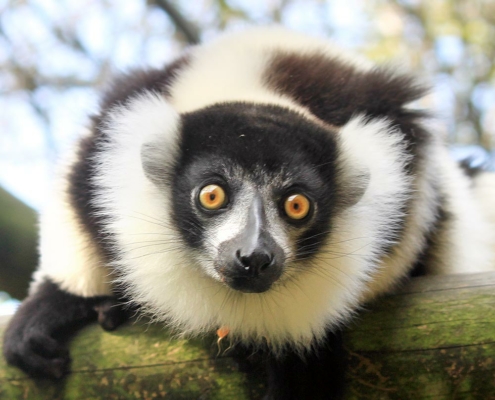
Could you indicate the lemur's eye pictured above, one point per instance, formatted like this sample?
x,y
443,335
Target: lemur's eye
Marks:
x,y
297,206
212,197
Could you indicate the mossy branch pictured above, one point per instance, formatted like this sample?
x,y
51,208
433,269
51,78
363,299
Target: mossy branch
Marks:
x,y
436,339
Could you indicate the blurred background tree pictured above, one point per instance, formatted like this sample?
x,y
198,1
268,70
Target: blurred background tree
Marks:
x,y
56,54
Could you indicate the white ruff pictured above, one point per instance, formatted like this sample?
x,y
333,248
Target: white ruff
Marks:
x,y
162,274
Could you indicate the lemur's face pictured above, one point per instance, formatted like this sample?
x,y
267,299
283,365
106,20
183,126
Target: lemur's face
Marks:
x,y
245,223
254,191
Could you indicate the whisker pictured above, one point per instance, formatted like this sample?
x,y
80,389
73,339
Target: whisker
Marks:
x,y
148,221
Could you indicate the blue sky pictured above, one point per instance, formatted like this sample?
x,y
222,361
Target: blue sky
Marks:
x,y
117,37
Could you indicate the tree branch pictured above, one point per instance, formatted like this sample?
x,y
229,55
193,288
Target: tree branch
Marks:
x,y
433,339
188,29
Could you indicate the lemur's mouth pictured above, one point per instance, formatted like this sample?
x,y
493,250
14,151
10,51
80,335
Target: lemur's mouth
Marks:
x,y
248,284
254,274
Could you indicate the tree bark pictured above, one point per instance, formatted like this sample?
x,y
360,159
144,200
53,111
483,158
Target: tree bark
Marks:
x,y
435,339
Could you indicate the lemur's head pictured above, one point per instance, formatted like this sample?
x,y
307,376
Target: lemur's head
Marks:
x,y
262,194
254,190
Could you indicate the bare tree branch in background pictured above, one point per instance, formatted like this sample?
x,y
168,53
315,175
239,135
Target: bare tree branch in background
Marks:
x,y
27,80
277,11
188,29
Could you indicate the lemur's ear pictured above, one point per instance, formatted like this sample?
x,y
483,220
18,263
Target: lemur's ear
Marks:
x,y
355,185
159,149
155,165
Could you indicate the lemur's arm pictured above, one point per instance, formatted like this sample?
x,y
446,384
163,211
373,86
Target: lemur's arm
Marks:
x,y
69,290
36,338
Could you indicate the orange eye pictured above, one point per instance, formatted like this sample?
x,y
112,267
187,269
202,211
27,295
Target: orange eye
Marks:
x,y
297,206
212,197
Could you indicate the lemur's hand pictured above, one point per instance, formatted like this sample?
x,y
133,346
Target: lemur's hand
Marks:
x,y
112,314
37,336
36,353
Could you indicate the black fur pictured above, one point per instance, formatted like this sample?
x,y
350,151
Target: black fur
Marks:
x,y
335,91
257,138
317,376
469,169
36,338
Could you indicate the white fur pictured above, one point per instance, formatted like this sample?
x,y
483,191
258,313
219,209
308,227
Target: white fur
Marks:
x,y
69,257
420,216
468,241
375,147
484,193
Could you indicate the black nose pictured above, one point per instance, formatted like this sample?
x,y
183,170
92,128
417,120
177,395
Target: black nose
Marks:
x,y
254,263
251,270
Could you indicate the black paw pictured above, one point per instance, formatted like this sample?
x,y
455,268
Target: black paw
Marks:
x,y
111,314
37,335
38,355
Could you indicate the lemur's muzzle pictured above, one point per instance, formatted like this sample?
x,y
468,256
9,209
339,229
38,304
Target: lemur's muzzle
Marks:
x,y
252,261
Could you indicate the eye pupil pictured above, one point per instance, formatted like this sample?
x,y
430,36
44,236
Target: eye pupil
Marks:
x,y
297,206
212,197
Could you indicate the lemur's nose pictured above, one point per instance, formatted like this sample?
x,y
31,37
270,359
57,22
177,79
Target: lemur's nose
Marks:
x,y
252,260
256,262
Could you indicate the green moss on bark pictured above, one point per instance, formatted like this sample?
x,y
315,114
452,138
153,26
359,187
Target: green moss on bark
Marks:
x,y
435,340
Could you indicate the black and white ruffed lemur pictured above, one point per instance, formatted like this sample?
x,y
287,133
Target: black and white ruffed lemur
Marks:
x,y
267,183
